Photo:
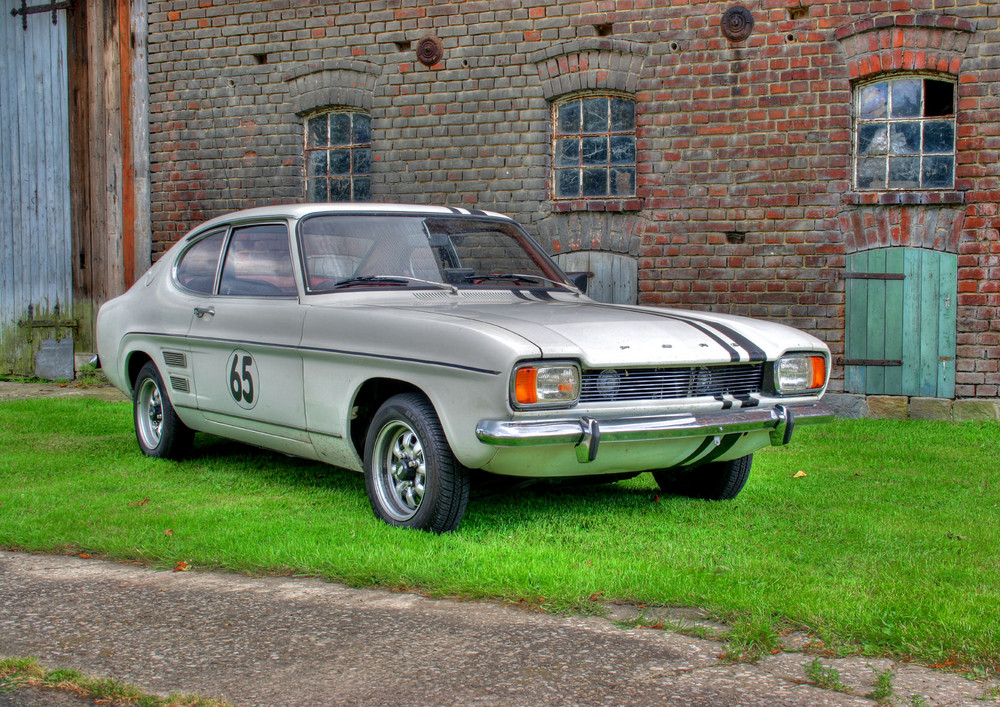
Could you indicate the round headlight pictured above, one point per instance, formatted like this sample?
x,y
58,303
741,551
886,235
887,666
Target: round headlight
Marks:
x,y
607,383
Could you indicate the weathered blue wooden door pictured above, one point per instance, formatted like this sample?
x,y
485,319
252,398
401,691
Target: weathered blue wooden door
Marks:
x,y
35,240
901,322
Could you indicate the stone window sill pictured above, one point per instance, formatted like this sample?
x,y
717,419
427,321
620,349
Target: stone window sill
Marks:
x,y
567,205
903,197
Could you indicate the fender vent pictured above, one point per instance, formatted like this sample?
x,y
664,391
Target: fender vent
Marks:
x,y
180,384
175,359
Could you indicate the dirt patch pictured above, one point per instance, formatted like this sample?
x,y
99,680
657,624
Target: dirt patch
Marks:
x,y
11,390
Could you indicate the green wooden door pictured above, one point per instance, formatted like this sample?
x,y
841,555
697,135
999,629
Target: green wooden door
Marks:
x,y
900,322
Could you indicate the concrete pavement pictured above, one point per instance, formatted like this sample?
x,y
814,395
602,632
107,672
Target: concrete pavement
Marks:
x,y
294,641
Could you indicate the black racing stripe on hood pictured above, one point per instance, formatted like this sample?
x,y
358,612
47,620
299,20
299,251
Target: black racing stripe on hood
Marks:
x,y
756,353
705,328
541,294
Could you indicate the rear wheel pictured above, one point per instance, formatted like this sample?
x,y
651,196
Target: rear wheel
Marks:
x,y
715,481
412,478
159,431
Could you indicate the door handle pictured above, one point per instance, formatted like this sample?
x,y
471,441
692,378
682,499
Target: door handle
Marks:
x,y
202,311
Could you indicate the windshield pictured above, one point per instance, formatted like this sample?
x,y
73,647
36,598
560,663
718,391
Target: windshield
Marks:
x,y
377,250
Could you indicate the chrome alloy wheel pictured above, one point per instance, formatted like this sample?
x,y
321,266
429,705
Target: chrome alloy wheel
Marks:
x,y
400,470
149,413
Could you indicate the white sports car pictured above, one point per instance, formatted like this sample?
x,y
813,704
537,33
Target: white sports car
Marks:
x,y
417,343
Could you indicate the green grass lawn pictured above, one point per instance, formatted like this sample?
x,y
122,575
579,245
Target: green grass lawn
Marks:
x,y
889,544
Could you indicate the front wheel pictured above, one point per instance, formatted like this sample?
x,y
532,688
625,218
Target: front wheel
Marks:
x,y
715,481
159,431
412,478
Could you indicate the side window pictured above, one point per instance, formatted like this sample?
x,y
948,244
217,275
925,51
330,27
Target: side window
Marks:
x,y
905,134
197,268
338,147
258,263
593,150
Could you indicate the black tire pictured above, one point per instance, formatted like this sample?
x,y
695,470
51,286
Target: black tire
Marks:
x,y
715,481
412,478
159,431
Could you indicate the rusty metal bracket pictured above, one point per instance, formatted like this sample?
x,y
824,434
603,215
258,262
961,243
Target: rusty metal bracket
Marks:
x,y
53,7
873,276
869,362
48,323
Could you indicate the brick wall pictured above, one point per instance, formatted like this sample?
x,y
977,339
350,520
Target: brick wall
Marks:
x,y
744,203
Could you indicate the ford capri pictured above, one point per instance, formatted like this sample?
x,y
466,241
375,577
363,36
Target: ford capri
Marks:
x,y
417,344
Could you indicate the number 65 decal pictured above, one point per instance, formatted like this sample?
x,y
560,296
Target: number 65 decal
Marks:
x,y
243,379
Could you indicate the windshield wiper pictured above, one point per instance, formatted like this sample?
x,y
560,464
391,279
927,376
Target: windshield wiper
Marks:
x,y
518,277
396,280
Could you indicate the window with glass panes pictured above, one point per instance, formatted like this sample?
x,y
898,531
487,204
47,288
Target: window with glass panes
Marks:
x,y
338,157
905,134
594,148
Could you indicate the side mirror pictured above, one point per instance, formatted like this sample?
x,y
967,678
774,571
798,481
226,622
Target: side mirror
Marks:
x,y
579,279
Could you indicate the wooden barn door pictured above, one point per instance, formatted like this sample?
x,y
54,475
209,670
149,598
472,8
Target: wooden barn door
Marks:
x,y
901,322
36,280
613,277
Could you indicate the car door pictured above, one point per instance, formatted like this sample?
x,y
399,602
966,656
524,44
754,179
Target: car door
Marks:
x,y
244,344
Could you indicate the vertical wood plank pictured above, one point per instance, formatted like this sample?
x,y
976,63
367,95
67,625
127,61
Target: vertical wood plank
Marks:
x,y
929,298
894,260
911,321
876,323
856,328
947,324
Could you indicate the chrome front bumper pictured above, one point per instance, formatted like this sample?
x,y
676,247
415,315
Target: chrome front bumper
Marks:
x,y
587,433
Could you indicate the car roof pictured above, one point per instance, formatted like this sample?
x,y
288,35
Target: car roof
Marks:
x,y
297,211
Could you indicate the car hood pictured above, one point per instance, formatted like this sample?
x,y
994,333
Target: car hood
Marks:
x,y
603,335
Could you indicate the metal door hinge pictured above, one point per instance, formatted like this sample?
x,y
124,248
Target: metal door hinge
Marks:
x,y
53,7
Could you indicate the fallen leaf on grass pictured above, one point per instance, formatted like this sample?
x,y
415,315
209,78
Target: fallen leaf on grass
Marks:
x,y
597,596
168,532
798,474
182,566
143,502
84,555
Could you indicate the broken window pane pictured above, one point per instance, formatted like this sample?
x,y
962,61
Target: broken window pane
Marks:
x,y
623,149
873,139
595,115
871,173
595,182
938,172
568,152
939,98
906,98
340,128
569,117
874,99
622,115
595,150
904,139
622,182
904,172
316,131
340,162
939,136
568,183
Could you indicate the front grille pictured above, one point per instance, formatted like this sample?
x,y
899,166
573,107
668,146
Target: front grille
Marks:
x,y
615,385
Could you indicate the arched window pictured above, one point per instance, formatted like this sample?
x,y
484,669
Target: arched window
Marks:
x,y
593,149
905,133
338,150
